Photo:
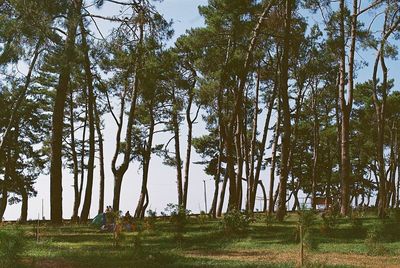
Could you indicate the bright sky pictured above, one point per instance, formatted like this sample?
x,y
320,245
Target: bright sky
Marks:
x,y
162,179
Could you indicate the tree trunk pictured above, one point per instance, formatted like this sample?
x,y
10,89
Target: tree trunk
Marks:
x,y
271,202
315,150
120,171
178,163
24,208
222,195
286,131
101,159
92,143
213,210
4,200
74,158
263,143
56,214
190,123
19,100
140,209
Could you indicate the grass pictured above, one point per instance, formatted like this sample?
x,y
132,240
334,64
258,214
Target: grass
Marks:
x,y
204,245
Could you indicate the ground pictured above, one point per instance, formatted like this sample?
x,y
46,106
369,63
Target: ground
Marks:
x,y
205,244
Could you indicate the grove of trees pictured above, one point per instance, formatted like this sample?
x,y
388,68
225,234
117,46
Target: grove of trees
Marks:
x,y
276,90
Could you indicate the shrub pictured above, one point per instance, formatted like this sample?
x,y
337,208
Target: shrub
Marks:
x,y
235,221
12,246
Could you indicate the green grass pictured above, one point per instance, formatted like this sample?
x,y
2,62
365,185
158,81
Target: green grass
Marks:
x,y
204,245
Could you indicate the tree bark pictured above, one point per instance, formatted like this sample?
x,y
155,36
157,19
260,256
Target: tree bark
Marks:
x,y
271,202
286,130
92,143
140,208
56,214
120,171
101,159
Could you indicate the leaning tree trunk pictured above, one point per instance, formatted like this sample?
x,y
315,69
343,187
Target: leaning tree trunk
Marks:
x,y
14,110
56,214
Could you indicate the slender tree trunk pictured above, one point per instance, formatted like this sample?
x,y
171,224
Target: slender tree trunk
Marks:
x,y
222,194
19,100
346,107
101,159
74,158
178,163
217,178
56,214
263,143
286,130
92,143
120,171
271,203
78,199
190,123
140,209
315,150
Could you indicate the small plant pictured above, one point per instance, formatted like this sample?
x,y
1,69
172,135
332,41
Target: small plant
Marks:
x,y
394,215
329,221
12,246
356,222
150,220
235,221
304,234
178,216
269,220
202,218
374,240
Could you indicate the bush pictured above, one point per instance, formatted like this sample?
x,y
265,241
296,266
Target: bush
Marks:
x,y
235,221
12,246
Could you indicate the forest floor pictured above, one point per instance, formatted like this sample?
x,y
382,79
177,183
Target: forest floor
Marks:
x,y
205,244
